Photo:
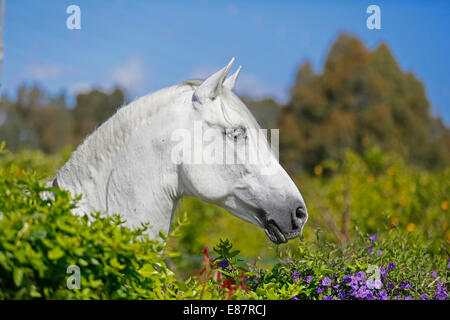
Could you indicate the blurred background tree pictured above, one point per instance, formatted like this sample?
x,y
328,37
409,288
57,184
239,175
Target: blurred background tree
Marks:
x,y
360,100
36,120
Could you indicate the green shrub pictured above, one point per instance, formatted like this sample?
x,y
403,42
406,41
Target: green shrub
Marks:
x,y
40,239
41,242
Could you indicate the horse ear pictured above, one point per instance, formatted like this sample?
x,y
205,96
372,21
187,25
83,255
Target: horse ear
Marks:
x,y
231,80
211,87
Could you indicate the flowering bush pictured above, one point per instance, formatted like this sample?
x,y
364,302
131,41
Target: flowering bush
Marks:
x,y
395,267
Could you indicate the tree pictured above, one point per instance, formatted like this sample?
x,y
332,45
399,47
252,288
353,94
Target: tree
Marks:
x,y
361,99
93,108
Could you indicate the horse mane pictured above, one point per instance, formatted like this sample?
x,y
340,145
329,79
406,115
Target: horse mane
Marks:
x,y
100,145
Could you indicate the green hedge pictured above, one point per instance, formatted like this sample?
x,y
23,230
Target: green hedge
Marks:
x,y
43,247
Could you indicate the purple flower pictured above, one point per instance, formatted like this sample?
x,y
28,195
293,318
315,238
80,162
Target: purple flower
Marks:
x,y
441,296
379,252
391,266
354,284
424,296
360,275
295,275
373,238
399,297
327,298
434,274
362,292
409,298
294,298
390,286
347,279
382,295
223,264
405,285
319,289
383,272
326,282
377,284
308,279
369,250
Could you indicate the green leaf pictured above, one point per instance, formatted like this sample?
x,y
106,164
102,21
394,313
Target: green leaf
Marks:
x,y
115,263
147,271
18,276
55,253
37,234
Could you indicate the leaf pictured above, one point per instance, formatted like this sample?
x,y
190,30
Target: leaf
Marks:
x,y
115,263
147,271
18,276
37,234
55,253
173,254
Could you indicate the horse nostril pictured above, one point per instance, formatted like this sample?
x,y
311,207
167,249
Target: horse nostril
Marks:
x,y
300,213
299,217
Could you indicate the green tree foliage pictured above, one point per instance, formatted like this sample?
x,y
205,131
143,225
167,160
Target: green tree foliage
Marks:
x,y
36,120
361,99
93,108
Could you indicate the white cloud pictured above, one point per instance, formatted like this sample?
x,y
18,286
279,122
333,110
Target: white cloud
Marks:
x,y
129,75
80,87
202,72
249,85
42,72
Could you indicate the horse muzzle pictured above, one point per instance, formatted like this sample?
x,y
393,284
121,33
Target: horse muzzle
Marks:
x,y
287,231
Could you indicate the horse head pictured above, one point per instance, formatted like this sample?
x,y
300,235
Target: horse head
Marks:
x,y
232,164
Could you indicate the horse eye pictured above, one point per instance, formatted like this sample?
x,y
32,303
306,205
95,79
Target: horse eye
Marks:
x,y
237,133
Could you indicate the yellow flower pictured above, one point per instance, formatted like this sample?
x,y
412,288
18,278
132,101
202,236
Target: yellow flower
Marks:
x,y
318,170
402,201
391,171
444,205
410,227
394,221
388,186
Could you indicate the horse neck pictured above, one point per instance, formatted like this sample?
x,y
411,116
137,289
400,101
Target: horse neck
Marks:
x,y
124,168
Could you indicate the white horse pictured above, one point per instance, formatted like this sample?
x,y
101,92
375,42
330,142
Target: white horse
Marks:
x,y
128,166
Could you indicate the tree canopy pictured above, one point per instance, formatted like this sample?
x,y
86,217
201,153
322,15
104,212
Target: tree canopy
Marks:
x,y
361,99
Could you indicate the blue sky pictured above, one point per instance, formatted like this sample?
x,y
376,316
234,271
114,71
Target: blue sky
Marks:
x,y
147,45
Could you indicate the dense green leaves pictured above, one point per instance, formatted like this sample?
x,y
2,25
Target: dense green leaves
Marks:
x,y
41,241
